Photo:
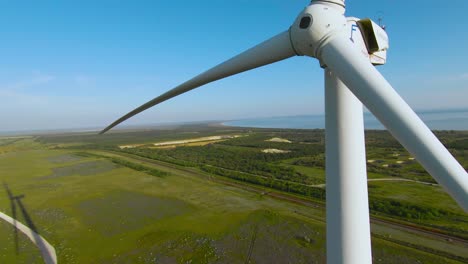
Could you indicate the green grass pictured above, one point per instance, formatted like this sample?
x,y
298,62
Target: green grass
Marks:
x,y
79,212
94,211
317,174
425,196
422,240
392,253
25,252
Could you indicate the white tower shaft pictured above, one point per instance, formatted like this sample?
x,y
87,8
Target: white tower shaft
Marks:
x,y
348,228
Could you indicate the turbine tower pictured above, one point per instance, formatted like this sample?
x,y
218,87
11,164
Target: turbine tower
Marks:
x,y
347,49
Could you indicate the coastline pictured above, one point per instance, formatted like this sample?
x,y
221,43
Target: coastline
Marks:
x,y
435,120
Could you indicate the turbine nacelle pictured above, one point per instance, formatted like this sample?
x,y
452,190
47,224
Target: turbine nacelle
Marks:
x,y
322,20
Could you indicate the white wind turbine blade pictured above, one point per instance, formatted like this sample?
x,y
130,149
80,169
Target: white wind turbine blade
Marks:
x,y
367,84
273,50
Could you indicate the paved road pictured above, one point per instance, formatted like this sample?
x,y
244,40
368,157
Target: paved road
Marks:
x,y
47,251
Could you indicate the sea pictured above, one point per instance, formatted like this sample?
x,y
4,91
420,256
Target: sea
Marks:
x,y
434,119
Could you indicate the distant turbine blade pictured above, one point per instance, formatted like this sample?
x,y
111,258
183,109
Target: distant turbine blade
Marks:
x,y
273,50
383,101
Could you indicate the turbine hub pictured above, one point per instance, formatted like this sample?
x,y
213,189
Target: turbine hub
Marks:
x,y
315,25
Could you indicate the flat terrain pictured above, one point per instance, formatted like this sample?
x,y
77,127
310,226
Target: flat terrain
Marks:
x,y
16,248
97,203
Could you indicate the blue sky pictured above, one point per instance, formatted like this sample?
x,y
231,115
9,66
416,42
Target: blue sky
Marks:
x,y
71,64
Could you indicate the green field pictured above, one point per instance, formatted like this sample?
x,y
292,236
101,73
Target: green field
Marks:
x,y
97,204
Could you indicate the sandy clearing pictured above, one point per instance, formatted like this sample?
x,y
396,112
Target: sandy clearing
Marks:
x,y
275,151
191,144
183,141
193,140
129,146
48,251
277,139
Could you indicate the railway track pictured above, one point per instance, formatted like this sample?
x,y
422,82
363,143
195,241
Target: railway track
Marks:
x,y
421,230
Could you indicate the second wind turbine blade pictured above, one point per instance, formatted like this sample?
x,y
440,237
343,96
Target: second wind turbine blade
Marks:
x,y
272,50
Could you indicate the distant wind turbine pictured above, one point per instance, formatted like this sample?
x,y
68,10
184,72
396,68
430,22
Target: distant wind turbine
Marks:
x,y
346,48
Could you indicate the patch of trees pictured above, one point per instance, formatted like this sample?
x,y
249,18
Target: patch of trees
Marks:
x,y
405,210
315,161
381,139
458,144
227,157
410,170
305,136
273,183
297,147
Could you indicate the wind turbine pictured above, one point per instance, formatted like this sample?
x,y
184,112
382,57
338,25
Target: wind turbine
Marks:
x,y
346,48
